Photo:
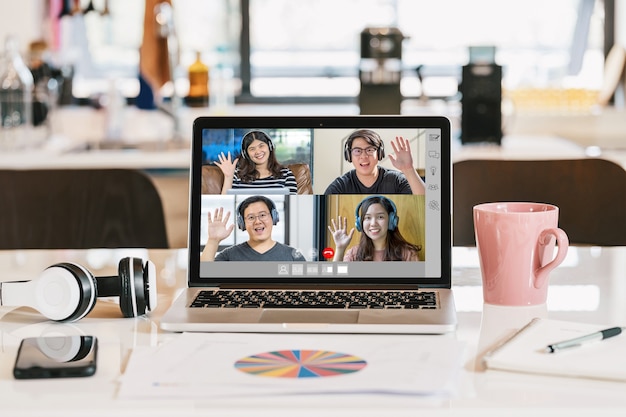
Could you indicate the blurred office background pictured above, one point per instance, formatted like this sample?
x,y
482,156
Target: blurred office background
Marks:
x,y
309,52
560,75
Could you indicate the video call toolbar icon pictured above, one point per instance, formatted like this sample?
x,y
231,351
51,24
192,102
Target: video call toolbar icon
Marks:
x,y
312,269
342,269
328,269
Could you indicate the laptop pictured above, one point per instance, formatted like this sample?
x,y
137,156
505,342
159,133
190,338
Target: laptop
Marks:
x,y
314,287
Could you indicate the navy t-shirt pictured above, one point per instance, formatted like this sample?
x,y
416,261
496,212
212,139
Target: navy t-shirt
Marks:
x,y
243,252
388,182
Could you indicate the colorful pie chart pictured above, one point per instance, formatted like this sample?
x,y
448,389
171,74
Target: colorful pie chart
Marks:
x,y
300,364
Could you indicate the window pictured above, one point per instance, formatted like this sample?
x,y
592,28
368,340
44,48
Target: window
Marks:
x,y
302,49
208,26
305,50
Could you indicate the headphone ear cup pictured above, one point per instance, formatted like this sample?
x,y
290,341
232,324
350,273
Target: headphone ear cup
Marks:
x,y
393,221
346,153
138,287
150,286
244,154
381,151
240,222
63,292
132,284
129,271
88,288
275,216
357,224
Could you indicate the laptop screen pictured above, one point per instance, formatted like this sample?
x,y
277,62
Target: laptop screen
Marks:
x,y
361,200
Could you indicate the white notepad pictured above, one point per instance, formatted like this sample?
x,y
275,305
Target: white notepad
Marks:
x,y
525,352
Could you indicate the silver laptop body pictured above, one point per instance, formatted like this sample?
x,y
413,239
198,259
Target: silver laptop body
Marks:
x,y
303,224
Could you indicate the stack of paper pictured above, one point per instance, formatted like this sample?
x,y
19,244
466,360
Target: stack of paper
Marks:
x,y
205,365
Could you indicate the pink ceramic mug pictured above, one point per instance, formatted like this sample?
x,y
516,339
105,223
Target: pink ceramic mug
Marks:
x,y
515,244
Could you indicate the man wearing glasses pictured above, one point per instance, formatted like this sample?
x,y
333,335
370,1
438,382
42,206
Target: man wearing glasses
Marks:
x,y
256,215
364,148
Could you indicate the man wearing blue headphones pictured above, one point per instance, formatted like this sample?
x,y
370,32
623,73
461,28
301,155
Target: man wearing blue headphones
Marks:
x,y
256,215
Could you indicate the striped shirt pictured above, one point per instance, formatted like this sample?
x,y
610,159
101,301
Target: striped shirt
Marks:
x,y
286,180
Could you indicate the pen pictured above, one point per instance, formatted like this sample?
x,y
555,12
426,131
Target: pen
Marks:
x,y
583,340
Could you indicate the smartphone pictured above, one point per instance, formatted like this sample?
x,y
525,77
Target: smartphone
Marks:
x,y
56,357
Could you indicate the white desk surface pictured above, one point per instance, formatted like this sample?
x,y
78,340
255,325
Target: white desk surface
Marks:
x,y
590,287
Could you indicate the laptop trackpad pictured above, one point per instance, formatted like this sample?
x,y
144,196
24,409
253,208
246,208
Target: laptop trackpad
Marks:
x,y
308,316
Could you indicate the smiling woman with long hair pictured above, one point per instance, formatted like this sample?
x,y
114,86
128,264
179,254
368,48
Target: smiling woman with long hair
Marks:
x,y
377,220
257,167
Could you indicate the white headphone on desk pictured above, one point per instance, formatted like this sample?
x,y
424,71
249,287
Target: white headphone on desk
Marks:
x,y
67,291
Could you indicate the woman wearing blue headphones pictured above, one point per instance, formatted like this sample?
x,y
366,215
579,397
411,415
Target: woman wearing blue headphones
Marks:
x,y
257,167
377,219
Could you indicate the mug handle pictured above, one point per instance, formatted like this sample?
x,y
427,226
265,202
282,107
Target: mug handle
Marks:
x,y
544,246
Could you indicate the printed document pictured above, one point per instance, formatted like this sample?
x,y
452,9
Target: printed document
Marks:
x,y
205,365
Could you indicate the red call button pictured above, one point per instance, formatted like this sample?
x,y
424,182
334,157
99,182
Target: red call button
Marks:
x,y
328,253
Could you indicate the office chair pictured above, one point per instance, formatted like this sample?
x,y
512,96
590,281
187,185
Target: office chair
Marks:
x,y
80,209
590,194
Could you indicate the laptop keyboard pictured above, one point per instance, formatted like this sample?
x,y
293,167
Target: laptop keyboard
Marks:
x,y
316,299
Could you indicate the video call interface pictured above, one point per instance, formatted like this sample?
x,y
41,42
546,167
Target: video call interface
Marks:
x,y
324,234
